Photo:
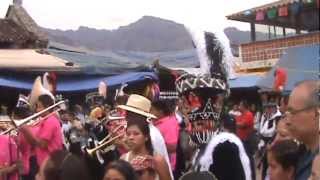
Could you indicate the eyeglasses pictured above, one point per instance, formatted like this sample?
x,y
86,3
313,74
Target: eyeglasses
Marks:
x,y
292,111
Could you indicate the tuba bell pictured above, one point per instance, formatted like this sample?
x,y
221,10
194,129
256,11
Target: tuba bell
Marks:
x,y
38,90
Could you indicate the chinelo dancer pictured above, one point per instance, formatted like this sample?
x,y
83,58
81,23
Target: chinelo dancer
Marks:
x,y
218,154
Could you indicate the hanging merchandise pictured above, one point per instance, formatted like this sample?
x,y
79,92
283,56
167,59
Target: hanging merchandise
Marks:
x,y
260,16
272,13
309,1
247,13
283,11
295,8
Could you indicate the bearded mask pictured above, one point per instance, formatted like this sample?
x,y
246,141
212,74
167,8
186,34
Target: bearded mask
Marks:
x,y
203,108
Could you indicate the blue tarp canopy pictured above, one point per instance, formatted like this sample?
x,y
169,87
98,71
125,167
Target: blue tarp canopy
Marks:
x,y
301,63
93,64
76,83
244,81
118,62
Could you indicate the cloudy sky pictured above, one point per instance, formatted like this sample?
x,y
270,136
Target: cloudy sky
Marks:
x,y
108,14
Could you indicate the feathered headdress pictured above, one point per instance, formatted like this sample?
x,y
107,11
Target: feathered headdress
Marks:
x,y
203,94
212,65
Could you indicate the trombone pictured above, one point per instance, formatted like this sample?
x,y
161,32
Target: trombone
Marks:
x,y
18,123
107,140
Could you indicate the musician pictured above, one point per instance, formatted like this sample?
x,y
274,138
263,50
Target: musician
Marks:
x,y
48,137
28,159
9,164
114,125
203,96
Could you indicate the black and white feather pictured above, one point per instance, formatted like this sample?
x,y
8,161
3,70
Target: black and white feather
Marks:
x,y
212,54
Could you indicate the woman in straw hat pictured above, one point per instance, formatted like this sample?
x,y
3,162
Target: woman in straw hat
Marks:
x,y
142,139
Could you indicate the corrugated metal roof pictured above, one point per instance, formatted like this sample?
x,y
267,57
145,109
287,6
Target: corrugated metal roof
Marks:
x,y
301,63
263,7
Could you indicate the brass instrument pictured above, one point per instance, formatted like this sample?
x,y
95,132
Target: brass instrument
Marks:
x,y
18,123
107,140
93,150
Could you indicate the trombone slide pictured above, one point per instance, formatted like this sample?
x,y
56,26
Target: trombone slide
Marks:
x,y
19,123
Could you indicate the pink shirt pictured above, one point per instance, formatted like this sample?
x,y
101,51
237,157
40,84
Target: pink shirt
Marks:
x,y
8,154
169,129
49,130
26,149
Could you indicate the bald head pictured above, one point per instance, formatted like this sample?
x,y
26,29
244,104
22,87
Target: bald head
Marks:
x,y
309,91
303,117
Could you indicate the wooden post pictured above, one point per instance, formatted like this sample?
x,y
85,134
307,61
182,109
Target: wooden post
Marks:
x,y
253,31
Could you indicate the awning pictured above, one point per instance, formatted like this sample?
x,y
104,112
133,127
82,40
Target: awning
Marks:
x,y
244,81
301,63
78,83
33,60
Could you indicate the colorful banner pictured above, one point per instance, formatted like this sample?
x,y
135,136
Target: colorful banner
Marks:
x,y
272,13
260,16
295,8
283,11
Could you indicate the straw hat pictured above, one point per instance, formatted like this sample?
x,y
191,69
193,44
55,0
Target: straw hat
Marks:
x,y
138,104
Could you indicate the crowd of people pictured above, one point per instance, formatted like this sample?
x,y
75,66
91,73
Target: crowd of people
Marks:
x,y
150,140
144,136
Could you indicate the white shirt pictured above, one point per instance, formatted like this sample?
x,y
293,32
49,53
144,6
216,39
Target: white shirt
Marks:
x,y
159,145
268,125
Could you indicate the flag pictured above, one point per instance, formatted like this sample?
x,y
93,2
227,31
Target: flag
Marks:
x,y
272,13
295,8
260,16
283,11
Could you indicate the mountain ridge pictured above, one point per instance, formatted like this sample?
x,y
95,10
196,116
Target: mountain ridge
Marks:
x,y
148,34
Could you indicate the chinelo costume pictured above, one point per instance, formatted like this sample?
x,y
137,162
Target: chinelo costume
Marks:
x,y
219,153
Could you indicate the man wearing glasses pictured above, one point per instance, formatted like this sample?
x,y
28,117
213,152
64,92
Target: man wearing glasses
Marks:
x,y
303,122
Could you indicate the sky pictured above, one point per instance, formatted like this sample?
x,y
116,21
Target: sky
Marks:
x,y
107,14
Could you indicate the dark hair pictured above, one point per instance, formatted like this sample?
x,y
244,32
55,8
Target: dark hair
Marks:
x,y
151,171
62,165
124,168
141,122
245,104
163,106
46,100
286,153
121,100
229,122
21,112
72,114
